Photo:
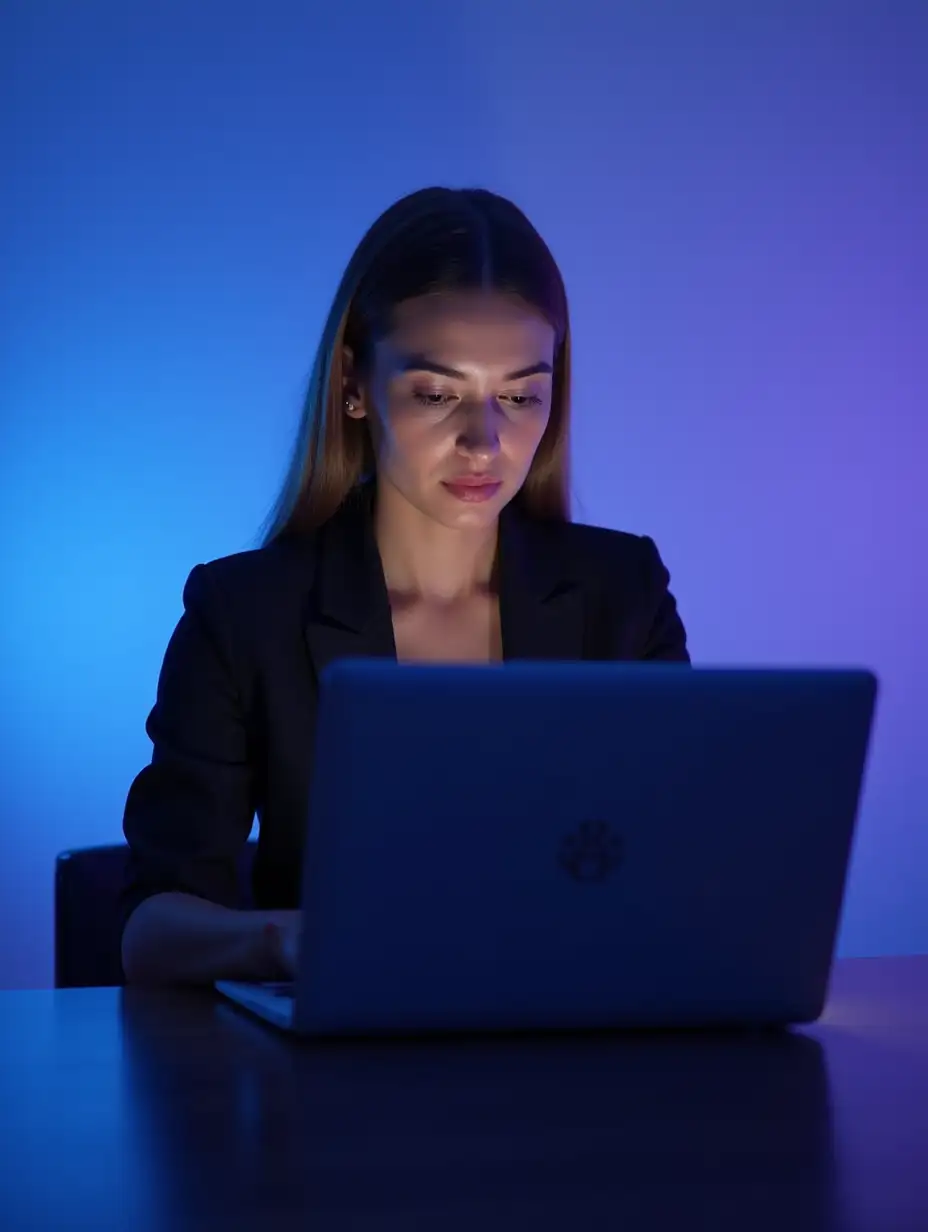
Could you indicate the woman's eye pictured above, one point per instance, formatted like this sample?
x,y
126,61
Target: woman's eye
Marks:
x,y
437,401
433,399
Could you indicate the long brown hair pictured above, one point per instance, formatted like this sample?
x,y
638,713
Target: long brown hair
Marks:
x,y
436,239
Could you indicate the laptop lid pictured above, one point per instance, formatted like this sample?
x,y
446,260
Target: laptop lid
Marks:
x,y
537,845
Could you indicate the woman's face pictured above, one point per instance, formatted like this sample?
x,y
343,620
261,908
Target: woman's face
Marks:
x,y
457,400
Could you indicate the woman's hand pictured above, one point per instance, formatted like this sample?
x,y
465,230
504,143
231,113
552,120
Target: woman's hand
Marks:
x,y
282,941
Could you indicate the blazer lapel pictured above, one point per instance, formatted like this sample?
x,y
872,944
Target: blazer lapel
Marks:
x,y
541,600
349,615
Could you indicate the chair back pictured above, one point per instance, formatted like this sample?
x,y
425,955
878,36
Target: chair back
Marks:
x,y
89,884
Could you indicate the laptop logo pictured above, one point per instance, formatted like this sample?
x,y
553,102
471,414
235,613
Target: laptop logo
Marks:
x,y
592,852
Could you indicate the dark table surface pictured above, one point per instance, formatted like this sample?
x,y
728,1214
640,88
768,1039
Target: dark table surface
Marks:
x,y
139,1110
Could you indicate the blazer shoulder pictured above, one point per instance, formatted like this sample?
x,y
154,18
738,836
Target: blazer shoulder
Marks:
x,y
597,552
253,590
282,563
629,573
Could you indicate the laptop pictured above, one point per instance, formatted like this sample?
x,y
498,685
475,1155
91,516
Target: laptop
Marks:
x,y
563,846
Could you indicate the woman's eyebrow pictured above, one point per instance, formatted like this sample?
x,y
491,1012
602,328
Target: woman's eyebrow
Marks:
x,y
421,363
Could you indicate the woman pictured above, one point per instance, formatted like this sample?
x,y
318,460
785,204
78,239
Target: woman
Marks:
x,y
425,517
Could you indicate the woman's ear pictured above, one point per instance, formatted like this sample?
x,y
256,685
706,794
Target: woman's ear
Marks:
x,y
354,402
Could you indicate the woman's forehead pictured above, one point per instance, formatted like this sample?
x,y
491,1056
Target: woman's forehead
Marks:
x,y
485,325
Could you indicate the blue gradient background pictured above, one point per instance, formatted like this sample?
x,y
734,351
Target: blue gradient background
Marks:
x,y
738,196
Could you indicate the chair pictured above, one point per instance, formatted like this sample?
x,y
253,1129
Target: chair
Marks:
x,y
88,916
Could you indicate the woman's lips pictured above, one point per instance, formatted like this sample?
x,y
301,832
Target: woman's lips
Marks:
x,y
473,488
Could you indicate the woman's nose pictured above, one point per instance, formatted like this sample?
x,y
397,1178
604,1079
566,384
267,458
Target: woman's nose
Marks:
x,y
479,433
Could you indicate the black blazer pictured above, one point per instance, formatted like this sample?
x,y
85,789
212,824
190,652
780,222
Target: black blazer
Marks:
x,y
234,720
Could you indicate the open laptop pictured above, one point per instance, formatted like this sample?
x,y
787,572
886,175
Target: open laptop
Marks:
x,y
572,846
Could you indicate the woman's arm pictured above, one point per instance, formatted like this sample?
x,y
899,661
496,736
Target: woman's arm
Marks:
x,y
189,813
175,938
665,637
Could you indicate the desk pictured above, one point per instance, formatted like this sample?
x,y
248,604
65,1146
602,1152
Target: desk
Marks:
x,y
144,1111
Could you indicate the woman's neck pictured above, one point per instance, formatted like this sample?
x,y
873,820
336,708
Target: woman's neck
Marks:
x,y
425,560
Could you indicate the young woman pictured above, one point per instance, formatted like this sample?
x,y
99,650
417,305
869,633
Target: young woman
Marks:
x,y
425,517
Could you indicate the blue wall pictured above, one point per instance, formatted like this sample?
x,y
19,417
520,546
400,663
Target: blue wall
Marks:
x,y
737,196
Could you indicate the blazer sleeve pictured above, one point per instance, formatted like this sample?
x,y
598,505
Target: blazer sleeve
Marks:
x,y
665,636
189,813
